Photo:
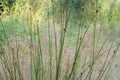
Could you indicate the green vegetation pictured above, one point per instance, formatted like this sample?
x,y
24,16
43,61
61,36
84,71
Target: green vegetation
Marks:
x,y
59,39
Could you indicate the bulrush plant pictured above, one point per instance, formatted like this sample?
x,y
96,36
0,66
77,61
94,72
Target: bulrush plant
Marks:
x,y
47,56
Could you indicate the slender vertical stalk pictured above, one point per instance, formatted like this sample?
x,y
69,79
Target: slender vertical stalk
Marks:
x,y
50,47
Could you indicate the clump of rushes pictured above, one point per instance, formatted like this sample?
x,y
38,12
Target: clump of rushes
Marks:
x,y
91,59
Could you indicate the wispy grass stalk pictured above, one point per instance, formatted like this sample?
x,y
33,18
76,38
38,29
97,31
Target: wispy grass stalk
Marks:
x,y
62,36
50,47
